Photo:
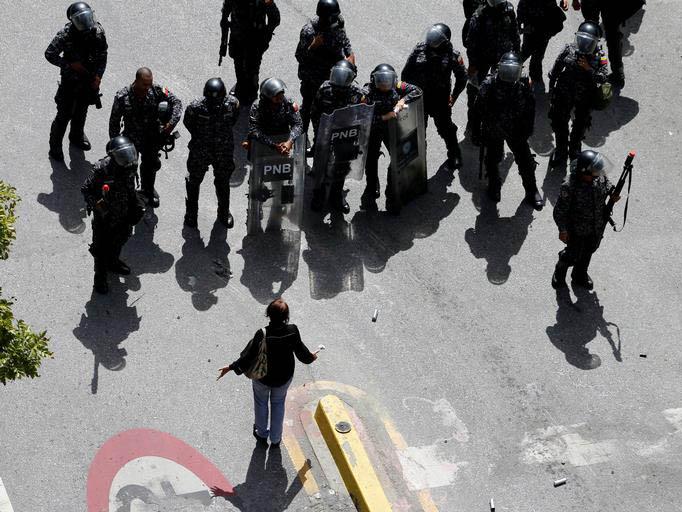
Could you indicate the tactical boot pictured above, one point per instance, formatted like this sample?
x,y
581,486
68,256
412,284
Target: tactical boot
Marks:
x,y
225,218
533,196
147,180
559,276
119,267
80,141
581,278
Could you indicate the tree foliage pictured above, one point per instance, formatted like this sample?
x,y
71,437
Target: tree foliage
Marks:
x,y
21,350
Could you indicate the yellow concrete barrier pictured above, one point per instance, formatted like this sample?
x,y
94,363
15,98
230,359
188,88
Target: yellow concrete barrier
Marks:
x,y
350,456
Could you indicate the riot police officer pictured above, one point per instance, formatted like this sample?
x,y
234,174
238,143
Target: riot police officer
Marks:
x,y
493,31
506,106
110,195
539,21
577,72
80,51
210,121
250,25
389,96
137,105
336,93
323,42
430,67
580,216
275,115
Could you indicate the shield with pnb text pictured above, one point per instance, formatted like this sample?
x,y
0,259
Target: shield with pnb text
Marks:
x,y
275,187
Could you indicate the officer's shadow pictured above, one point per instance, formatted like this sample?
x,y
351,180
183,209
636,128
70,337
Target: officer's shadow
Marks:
x,y
204,269
108,320
240,132
551,184
271,262
380,236
266,487
620,112
473,179
577,324
630,27
142,254
66,199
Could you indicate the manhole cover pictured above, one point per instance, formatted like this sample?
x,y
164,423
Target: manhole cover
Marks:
x,y
343,427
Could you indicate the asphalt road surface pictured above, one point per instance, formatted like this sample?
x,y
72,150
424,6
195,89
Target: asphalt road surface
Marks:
x,y
498,385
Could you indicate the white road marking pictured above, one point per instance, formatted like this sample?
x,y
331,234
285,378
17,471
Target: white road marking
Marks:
x,y
563,444
674,417
448,416
423,467
5,505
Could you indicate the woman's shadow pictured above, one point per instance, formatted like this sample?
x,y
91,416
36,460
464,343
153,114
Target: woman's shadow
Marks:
x,y
266,488
577,324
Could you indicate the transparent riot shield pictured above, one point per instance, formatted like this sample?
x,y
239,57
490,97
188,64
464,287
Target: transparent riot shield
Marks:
x,y
275,187
407,147
341,144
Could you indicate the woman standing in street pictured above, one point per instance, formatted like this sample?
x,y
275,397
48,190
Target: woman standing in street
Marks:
x,y
282,341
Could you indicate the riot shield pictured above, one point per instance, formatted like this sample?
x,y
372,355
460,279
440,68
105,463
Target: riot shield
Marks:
x,y
407,148
341,144
275,187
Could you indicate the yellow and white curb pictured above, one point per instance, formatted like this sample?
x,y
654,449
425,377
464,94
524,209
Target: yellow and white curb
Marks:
x,y
5,505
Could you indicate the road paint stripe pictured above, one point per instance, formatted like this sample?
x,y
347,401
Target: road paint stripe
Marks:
x,y
350,456
299,461
5,505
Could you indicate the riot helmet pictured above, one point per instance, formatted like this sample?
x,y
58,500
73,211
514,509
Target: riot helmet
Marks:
x,y
271,87
343,73
215,91
328,12
81,16
510,67
437,35
122,151
496,3
587,37
384,77
592,163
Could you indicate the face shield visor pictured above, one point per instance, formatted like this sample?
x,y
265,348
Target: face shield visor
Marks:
x,y
125,156
496,3
385,80
435,37
600,166
509,71
341,76
586,43
84,21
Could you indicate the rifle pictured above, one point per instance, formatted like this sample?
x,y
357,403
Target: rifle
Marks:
x,y
615,192
224,32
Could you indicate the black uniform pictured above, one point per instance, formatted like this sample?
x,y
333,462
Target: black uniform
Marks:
x,y
384,102
507,112
268,119
493,31
110,194
314,65
579,211
613,15
212,144
76,91
141,124
328,99
431,70
250,25
470,7
539,21
572,90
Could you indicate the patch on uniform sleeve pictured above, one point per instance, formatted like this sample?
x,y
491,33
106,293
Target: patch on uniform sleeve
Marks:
x,y
166,92
603,60
295,105
401,86
460,60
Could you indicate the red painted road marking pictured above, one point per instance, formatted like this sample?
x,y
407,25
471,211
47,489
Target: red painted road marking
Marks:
x,y
133,444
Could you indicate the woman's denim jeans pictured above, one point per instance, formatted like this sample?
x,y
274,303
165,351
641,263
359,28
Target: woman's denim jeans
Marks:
x,y
276,396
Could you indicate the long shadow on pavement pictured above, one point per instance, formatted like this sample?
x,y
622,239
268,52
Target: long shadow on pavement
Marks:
x,y
577,324
204,269
108,320
142,254
266,488
620,112
66,199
